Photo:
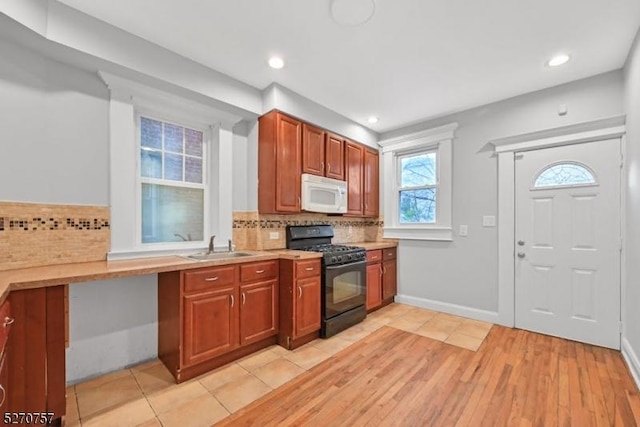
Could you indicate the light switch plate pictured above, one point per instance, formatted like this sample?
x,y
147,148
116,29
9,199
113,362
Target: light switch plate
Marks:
x,y
489,221
464,230
274,235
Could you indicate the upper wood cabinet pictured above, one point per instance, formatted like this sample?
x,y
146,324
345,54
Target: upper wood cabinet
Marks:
x,y
334,155
371,186
354,165
322,153
279,163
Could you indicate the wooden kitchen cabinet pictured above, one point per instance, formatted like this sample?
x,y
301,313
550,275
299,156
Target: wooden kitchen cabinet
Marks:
x,y
322,153
300,305
279,163
389,274
381,278
371,183
34,363
354,165
5,329
211,316
334,154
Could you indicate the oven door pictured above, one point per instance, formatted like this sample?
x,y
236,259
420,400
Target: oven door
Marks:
x,y
345,288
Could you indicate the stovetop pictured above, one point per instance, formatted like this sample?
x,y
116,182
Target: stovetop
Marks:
x,y
317,238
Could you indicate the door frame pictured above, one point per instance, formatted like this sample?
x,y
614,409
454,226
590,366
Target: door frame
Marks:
x,y
505,149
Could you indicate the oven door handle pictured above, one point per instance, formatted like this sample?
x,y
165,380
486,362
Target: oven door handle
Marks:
x,y
351,264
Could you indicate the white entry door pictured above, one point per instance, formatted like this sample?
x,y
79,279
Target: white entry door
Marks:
x,y
567,248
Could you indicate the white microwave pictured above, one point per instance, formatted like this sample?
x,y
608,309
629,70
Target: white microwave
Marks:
x,y
325,195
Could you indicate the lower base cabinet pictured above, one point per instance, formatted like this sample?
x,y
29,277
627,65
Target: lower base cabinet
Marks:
x,y
211,316
300,302
382,282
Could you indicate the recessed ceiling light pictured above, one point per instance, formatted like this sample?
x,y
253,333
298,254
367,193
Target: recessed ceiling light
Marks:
x,y
372,119
557,60
276,62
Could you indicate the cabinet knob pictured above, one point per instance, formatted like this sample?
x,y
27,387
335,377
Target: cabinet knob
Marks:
x,y
7,322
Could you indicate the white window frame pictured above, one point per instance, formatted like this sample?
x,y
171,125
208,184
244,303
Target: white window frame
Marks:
x,y
129,100
440,141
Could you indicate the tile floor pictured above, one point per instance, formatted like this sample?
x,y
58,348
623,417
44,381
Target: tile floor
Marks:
x,y
146,395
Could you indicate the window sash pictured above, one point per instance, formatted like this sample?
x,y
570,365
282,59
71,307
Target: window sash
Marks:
x,y
405,155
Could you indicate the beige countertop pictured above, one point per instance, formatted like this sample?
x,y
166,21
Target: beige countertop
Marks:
x,y
62,274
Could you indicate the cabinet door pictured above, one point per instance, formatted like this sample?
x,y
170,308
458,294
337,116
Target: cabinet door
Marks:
x,y
307,306
312,150
288,164
374,285
210,324
371,183
258,311
354,156
389,279
334,157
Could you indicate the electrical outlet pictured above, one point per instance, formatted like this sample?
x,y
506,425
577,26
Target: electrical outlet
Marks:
x,y
274,235
464,230
489,221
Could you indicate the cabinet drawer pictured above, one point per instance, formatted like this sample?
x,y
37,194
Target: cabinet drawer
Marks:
x,y
389,253
308,268
259,271
373,256
204,279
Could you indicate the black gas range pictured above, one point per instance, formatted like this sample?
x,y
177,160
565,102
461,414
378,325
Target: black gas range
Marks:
x,y
343,276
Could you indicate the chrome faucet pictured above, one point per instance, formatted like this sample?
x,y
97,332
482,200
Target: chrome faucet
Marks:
x,y
210,251
230,245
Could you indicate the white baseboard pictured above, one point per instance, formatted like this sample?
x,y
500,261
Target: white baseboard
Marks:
x,y
632,360
445,307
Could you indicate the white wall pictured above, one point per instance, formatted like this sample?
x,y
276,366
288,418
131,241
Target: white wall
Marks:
x,y
53,131
631,334
464,272
112,324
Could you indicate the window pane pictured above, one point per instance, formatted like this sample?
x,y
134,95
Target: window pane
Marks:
x,y
173,138
193,139
151,164
564,174
418,206
193,170
173,167
150,133
168,211
417,171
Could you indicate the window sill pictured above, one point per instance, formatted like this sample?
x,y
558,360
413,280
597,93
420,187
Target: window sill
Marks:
x,y
444,234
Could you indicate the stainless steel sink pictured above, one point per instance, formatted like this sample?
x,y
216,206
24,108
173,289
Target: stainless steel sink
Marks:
x,y
204,256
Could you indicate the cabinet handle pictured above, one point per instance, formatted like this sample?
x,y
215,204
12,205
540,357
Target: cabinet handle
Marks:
x,y
328,167
322,166
211,279
384,270
4,395
299,201
7,322
259,271
381,270
232,300
244,298
309,269
299,291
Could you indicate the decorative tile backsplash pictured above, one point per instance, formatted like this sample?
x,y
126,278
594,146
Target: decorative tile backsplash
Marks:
x,y
254,231
33,234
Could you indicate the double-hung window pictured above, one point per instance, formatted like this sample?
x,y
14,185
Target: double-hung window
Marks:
x,y
172,182
418,187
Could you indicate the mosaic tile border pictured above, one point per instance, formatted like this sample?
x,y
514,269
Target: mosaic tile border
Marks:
x,y
282,223
52,224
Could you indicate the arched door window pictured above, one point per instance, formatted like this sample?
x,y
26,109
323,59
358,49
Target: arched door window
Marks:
x,y
564,174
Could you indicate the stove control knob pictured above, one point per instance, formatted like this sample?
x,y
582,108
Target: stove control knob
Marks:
x,y
348,257
339,257
333,259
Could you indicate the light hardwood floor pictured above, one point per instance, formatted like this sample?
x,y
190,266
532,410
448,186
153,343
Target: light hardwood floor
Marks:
x,y
393,377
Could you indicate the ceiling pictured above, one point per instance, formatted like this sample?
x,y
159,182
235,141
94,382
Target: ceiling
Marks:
x,y
413,60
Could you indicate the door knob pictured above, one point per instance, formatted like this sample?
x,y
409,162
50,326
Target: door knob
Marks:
x,y
520,254
521,242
